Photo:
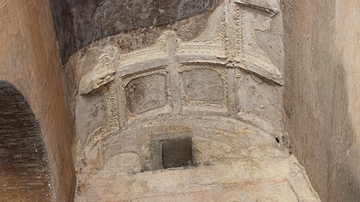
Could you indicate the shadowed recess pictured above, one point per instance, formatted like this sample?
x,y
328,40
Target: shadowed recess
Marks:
x,y
25,173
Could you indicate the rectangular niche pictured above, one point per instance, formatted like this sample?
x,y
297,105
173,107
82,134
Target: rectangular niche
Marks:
x,y
147,92
204,88
173,152
177,153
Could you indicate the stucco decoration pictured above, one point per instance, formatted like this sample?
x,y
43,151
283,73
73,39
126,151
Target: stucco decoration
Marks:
x,y
219,92
102,74
147,92
194,80
204,87
100,78
205,76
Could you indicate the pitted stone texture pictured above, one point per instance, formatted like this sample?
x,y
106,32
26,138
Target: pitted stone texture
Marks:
x,y
94,107
146,93
203,85
259,101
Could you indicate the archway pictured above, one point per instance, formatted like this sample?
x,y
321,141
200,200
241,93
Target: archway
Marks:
x,y
25,173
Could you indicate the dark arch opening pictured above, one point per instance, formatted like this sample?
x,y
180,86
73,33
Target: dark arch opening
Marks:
x,y
25,173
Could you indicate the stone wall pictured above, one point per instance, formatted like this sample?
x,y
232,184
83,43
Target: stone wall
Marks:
x,y
82,22
183,100
223,72
189,114
30,61
322,94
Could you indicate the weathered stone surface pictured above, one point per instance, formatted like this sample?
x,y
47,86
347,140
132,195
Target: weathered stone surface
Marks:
x,y
263,175
322,93
146,93
242,41
81,22
271,192
259,102
196,196
203,85
93,114
124,162
220,88
235,156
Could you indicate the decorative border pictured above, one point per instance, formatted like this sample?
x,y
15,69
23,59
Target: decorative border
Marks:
x,y
232,24
217,106
162,70
158,50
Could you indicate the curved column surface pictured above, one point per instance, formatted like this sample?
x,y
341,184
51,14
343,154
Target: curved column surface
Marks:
x,y
82,22
30,61
190,115
25,172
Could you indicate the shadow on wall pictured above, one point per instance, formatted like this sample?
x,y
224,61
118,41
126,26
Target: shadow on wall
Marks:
x,y
317,98
25,173
342,151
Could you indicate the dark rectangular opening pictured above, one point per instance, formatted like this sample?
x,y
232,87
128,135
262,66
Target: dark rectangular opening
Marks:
x,y
177,153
